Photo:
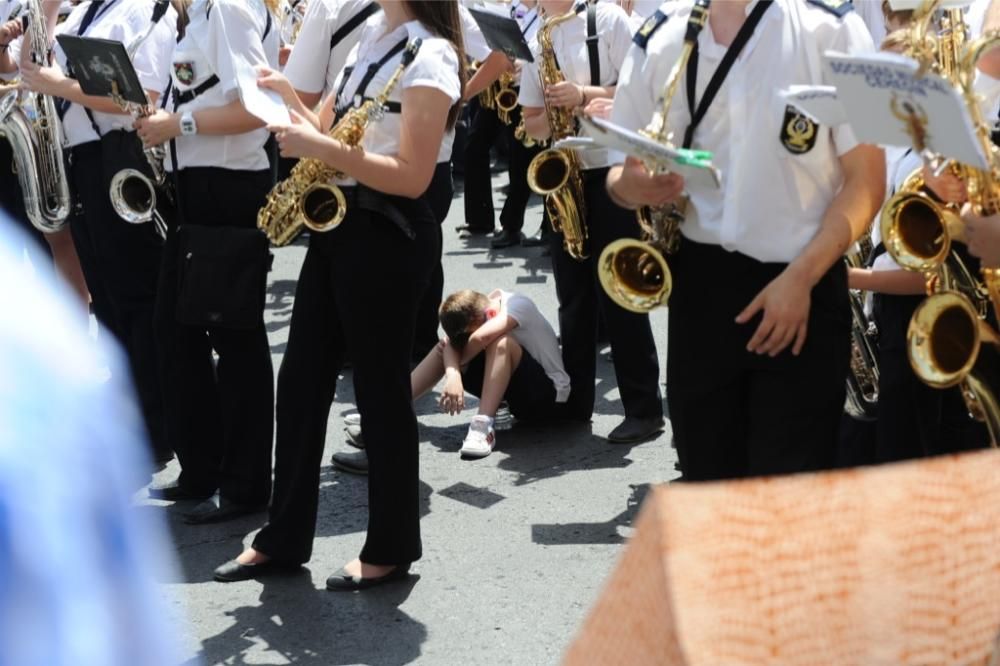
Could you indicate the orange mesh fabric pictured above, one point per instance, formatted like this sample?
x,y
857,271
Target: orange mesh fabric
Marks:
x,y
897,564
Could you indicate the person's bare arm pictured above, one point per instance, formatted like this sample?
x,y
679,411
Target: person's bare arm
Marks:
x,y
496,64
408,172
230,119
485,335
898,282
785,302
989,63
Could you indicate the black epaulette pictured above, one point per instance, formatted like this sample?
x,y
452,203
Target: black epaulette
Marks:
x,y
838,8
649,28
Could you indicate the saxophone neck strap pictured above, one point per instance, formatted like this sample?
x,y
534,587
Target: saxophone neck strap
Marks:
x,y
188,96
359,93
352,23
733,52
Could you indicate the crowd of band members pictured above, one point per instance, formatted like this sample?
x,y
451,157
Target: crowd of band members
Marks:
x,y
759,321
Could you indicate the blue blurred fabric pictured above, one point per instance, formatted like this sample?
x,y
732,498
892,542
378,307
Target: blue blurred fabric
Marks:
x,y
79,564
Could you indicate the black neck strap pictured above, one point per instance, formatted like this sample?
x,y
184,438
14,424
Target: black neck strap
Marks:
x,y
593,55
343,31
733,52
373,69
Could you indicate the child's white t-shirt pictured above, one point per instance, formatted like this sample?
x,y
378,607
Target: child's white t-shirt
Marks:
x,y
537,337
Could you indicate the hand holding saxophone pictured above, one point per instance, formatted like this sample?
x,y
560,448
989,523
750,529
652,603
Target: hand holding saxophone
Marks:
x,y
565,94
158,128
302,139
785,303
10,31
43,80
947,186
632,184
983,237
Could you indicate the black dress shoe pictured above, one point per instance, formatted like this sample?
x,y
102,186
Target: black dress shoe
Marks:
x,y
354,462
474,231
535,240
345,582
506,238
217,509
232,571
175,492
634,429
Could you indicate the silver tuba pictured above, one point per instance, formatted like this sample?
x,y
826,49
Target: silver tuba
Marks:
x,y
862,379
133,195
30,123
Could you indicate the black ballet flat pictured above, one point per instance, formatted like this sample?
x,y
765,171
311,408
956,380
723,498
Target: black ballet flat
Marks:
x,y
345,582
232,571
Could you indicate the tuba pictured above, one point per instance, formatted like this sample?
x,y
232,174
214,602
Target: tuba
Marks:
x,y
133,195
30,123
634,273
862,380
305,198
555,172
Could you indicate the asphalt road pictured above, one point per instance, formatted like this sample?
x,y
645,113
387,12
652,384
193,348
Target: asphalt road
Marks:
x,y
516,546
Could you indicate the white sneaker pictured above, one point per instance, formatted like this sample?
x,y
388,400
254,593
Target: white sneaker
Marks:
x,y
481,439
503,420
353,418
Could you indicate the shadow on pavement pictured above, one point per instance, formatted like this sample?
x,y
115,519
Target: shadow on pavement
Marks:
x,y
563,534
302,624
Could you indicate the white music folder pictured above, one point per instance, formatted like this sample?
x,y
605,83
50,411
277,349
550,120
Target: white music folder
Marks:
x,y
887,104
614,137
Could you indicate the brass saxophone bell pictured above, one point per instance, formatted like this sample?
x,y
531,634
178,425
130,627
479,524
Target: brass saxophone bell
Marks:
x,y
635,275
322,207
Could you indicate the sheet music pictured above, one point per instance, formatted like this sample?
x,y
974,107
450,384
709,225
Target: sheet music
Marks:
x,y
261,102
888,104
699,171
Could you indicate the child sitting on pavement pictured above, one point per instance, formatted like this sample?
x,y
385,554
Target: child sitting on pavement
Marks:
x,y
498,347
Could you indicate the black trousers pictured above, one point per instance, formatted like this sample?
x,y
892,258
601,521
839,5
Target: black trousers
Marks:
x,y
91,225
582,300
735,413
348,305
131,269
485,130
439,195
12,203
120,263
220,419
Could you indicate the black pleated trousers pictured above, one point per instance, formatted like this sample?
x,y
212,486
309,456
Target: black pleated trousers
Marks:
x,y
581,299
91,223
356,298
439,195
484,131
220,418
735,413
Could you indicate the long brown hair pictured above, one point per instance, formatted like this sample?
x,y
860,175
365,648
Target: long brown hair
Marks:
x,y
441,18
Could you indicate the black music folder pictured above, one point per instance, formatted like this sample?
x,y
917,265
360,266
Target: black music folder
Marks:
x,y
103,68
503,34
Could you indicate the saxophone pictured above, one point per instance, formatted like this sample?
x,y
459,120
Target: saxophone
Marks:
x,y
133,194
634,273
555,173
949,342
306,198
30,123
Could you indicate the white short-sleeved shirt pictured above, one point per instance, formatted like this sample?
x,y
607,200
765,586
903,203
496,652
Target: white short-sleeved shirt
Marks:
x,y
569,41
870,12
121,21
223,37
537,337
322,20
530,20
435,66
772,200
